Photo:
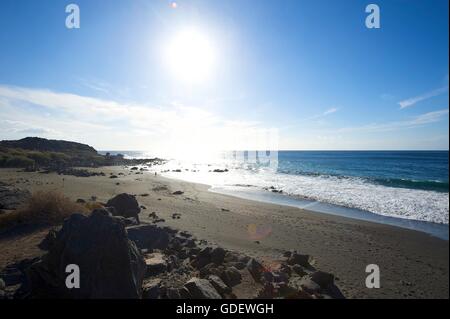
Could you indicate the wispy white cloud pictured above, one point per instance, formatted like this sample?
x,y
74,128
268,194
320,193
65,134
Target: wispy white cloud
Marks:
x,y
109,124
420,120
330,111
317,118
99,86
24,128
414,100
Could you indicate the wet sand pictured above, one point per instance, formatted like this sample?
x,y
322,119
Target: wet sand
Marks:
x,y
412,264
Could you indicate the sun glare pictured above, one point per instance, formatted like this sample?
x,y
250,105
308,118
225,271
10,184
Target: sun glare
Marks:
x,y
190,56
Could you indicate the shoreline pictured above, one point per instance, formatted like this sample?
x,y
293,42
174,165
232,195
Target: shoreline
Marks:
x,y
440,231
412,264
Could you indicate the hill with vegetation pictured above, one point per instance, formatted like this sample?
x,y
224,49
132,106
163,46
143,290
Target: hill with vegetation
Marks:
x,y
34,153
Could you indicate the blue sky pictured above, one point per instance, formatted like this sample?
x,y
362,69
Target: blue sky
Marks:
x,y
309,69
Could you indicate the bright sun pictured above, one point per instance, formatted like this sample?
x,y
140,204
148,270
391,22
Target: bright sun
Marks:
x,y
190,56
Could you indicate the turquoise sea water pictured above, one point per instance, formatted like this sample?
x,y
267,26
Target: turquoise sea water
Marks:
x,y
427,170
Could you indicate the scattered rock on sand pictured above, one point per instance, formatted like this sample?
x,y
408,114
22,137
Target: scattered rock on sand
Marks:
x,y
149,236
151,289
303,283
256,269
176,216
219,285
323,279
185,234
299,259
178,193
202,289
231,276
218,255
123,262
298,270
125,205
156,264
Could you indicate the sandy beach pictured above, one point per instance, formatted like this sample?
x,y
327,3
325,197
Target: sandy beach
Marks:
x,y
412,264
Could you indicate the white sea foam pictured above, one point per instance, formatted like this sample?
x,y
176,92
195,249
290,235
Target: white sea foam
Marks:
x,y
350,192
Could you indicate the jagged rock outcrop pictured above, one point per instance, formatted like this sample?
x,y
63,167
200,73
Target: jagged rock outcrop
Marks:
x,y
110,265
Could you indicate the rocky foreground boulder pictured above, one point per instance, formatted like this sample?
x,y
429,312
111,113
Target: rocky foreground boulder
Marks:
x,y
111,266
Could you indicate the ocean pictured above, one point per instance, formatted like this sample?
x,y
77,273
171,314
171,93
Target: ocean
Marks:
x,y
403,188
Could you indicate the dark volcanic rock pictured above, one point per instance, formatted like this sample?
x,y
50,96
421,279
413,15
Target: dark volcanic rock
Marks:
x,y
173,293
255,269
298,259
203,258
202,289
231,276
156,264
125,205
2,289
49,241
77,172
111,265
11,198
217,170
218,255
149,236
323,279
237,264
219,285
304,283
298,270
152,289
